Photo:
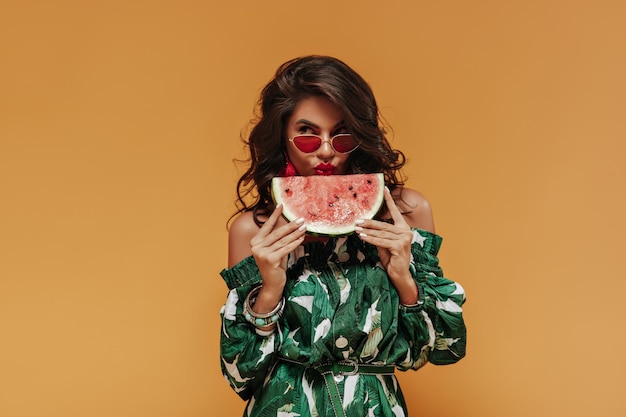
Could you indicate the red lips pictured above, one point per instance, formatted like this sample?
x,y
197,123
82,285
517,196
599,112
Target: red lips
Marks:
x,y
324,169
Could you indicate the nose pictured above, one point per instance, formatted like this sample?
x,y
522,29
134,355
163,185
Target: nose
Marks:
x,y
325,150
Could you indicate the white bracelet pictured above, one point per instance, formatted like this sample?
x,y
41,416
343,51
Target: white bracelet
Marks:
x,y
264,333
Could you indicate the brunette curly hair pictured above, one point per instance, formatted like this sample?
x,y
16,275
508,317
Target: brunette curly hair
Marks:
x,y
294,81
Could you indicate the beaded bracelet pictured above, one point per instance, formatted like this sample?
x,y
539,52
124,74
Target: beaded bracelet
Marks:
x,y
264,319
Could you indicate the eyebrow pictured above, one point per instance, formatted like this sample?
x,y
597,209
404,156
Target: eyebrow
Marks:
x,y
309,123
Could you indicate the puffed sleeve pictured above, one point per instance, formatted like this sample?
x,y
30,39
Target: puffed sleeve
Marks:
x,y
434,326
245,355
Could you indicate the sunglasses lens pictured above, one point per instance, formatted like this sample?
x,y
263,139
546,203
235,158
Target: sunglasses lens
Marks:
x,y
344,143
307,144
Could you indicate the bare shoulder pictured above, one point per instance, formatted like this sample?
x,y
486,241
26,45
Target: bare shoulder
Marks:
x,y
240,233
415,208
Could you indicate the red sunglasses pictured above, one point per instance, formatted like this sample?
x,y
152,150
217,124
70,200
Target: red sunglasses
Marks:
x,y
341,143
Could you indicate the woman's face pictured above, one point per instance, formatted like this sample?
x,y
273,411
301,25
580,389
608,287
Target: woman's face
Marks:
x,y
317,116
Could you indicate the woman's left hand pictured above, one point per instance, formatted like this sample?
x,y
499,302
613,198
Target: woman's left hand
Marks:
x,y
393,242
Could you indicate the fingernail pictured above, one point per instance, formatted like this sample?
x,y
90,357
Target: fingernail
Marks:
x,y
362,235
279,205
359,221
387,188
302,228
358,229
300,220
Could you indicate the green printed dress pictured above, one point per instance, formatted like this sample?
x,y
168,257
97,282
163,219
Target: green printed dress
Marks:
x,y
340,307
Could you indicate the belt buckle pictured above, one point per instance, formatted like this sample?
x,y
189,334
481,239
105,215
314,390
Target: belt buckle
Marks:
x,y
353,371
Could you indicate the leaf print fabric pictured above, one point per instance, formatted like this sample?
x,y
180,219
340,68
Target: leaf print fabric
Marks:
x,y
340,305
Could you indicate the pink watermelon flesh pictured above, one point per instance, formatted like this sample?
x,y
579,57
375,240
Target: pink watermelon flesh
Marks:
x,y
329,204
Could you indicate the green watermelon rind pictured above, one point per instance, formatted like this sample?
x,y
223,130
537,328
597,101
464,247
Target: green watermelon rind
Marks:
x,y
330,230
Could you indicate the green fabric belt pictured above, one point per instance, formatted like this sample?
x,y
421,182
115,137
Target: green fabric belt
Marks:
x,y
331,371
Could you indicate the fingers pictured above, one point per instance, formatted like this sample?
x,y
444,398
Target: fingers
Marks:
x,y
281,236
385,235
270,251
397,217
271,222
270,228
388,236
272,243
288,236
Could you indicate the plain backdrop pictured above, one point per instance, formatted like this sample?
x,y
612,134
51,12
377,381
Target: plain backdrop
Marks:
x,y
119,123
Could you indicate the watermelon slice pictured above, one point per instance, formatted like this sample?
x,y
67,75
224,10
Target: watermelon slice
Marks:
x,y
329,204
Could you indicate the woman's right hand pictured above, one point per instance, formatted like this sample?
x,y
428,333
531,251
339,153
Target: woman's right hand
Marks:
x,y
270,247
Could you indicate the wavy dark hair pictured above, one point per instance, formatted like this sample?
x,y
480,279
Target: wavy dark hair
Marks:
x,y
294,81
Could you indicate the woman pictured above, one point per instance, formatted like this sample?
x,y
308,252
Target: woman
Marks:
x,y
314,326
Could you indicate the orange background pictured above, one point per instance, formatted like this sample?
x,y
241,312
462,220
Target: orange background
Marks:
x,y
119,121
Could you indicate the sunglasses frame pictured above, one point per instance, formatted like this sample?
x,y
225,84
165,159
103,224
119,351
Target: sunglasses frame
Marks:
x,y
329,140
